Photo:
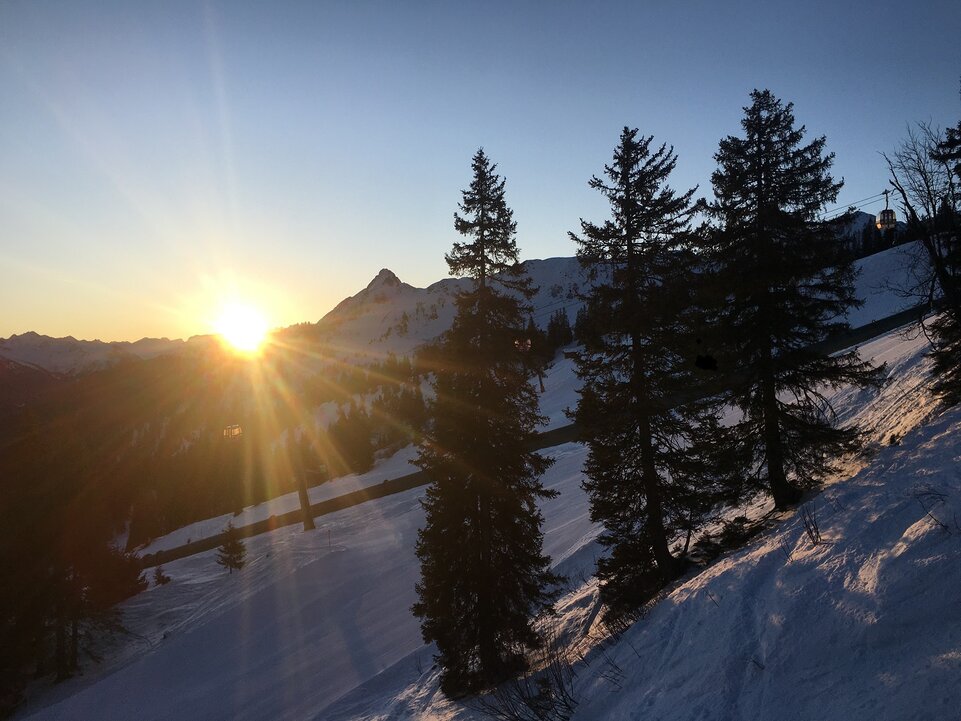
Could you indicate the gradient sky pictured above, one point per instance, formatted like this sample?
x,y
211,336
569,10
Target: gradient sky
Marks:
x,y
159,156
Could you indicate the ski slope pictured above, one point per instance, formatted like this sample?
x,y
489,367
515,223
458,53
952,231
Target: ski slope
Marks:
x,y
317,626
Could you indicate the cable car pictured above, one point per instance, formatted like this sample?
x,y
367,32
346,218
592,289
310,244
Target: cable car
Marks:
x,y
233,431
886,219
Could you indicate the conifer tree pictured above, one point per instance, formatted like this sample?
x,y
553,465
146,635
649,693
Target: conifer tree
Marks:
x,y
232,552
788,286
649,470
559,332
159,577
484,576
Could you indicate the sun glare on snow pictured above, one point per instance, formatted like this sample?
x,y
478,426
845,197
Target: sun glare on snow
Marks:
x,y
242,327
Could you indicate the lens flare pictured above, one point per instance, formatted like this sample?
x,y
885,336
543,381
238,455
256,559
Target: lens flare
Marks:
x,y
242,327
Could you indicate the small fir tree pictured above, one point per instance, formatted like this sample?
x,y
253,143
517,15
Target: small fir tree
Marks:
x,y
652,468
159,577
484,576
559,333
232,552
788,287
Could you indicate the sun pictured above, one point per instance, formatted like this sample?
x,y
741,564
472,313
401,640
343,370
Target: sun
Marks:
x,y
243,327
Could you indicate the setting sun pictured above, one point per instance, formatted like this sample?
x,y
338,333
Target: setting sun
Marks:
x,y
243,327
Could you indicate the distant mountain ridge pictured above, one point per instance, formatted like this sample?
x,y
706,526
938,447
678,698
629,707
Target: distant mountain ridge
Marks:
x,y
387,316
69,356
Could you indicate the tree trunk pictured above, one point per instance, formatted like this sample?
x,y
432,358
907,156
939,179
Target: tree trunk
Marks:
x,y
60,651
652,493
305,502
784,493
488,653
74,643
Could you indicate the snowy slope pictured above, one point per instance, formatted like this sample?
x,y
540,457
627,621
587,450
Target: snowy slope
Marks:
x,y
881,276
397,465
864,625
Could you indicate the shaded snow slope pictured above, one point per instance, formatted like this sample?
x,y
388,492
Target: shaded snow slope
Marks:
x,y
864,625
881,278
311,617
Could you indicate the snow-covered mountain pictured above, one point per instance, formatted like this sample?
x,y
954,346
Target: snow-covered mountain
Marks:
x,y
392,316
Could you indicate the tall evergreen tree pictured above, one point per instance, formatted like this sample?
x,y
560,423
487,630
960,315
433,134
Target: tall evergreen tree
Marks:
x,y
787,287
649,470
484,576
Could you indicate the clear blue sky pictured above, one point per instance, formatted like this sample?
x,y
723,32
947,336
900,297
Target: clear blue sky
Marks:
x,y
159,155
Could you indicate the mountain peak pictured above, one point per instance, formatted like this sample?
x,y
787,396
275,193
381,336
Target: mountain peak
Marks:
x,y
385,278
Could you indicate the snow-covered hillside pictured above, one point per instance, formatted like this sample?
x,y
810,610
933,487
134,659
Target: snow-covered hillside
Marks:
x,y
864,624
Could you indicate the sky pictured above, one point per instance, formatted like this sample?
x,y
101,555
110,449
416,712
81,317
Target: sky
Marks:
x,y
162,159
